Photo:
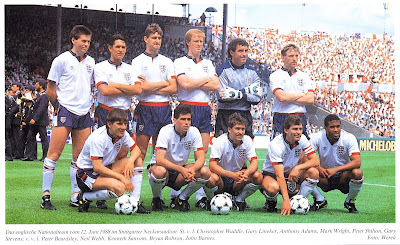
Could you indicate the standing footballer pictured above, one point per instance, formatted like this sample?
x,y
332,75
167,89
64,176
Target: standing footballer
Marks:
x,y
70,92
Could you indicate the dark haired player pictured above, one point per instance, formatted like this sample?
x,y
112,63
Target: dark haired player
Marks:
x,y
340,163
170,165
281,170
69,90
101,175
228,160
117,82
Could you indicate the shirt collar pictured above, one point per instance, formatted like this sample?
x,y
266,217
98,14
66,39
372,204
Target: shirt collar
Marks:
x,y
287,142
148,54
289,72
113,139
113,63
233,144
179,134
194,59
235,66
78,57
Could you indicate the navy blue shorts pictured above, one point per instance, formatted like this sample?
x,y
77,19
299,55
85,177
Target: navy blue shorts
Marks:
x,y
63,117
334,183
292,187
150,119
201,118
86,177
277,127
100,115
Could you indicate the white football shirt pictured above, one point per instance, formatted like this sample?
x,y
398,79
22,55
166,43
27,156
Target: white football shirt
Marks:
x,y
74,80
280,152
337,154
299,82
99,145
177,148
161,68
230,158
107,72
201,68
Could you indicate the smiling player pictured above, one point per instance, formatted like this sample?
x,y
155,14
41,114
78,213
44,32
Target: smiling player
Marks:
x,y
228,160
281,170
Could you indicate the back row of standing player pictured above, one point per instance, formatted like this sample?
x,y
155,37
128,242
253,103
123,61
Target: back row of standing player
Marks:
x,y
153,78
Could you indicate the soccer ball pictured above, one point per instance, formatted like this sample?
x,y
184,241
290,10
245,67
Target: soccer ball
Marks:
x,y
299,204
221,204
126,204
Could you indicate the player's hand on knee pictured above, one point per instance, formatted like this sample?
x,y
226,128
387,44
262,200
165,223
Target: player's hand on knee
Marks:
x,y
128,184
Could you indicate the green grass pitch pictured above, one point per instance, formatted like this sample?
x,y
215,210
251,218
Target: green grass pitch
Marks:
x,y
376,201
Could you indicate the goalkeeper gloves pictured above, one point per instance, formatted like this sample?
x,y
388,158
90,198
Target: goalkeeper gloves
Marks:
x,y
253,89
230,94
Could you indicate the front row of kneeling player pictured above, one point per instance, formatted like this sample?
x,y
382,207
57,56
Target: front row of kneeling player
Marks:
x,y
291,166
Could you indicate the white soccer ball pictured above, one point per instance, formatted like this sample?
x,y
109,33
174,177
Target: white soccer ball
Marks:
x,y
126,204
221,204
299,204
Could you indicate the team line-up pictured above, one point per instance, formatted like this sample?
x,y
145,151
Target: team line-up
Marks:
x,y
108,162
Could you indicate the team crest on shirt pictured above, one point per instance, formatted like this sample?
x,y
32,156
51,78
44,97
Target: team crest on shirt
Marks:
x,y
118,146
163,68
291,186
300,81
340,149
145,68
141,127
324,148
89,68
127,76
188,145
248,81
242,152
297,152
205,69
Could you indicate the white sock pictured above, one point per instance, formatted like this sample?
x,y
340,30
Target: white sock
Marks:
x,y
210,191
49,167
248,190
270,198
308,186
137,180
191,188
72,175
200,194
99,195
317,195
156,185
354,188
174,193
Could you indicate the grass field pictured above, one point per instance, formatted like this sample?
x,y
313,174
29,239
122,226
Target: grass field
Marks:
x,y
376,201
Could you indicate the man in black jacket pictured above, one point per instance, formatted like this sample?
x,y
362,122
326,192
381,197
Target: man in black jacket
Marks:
x,y
38,123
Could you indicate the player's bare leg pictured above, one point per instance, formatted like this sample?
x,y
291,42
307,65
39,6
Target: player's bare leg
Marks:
x,y
59,136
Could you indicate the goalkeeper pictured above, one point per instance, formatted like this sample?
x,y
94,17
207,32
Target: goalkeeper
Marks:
x,y
239,87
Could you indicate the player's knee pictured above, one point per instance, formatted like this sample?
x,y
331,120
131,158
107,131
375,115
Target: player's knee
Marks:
x,y
270,187
158,172
313,173
118,188
205,172
257,178
357,174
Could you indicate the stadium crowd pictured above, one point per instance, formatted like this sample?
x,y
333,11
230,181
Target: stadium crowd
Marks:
x,y
325,57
